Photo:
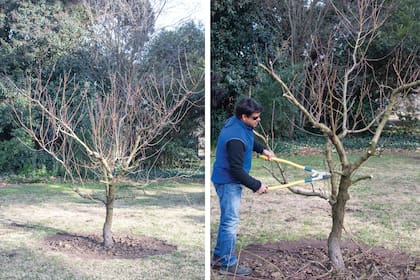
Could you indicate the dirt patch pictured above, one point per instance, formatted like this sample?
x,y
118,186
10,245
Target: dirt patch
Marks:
x,y
308,259
5,184
90,246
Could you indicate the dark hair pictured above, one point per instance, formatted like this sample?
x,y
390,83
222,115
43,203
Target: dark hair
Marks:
x,y
247,106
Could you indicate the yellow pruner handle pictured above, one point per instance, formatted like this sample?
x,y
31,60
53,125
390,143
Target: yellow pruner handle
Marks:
x,y
286,162
288,185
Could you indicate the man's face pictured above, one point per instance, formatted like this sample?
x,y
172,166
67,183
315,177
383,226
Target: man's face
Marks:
x,y
253,120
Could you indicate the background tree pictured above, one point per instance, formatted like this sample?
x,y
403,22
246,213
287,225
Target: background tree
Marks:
x,y
342,96
235,30
33,33
163,55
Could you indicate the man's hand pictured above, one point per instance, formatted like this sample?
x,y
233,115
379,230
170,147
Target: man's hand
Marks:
x,y
262,189
269,154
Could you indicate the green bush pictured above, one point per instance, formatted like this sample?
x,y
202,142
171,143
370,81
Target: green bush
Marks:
x,y
387,141
15,153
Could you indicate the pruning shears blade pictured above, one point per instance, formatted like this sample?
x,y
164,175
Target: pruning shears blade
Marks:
x,y
320,175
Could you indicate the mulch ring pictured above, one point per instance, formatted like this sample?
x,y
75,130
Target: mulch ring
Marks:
x,y
308,259
125,247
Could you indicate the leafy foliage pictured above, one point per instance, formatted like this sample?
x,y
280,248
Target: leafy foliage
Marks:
x,y
33,34
37,33
14,155
236,30
304,140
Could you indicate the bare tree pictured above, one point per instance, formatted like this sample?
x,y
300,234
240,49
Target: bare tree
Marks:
x,y
335,96
121,130
108,127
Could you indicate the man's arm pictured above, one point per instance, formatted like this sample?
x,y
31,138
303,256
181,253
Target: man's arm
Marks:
x,y
236,151
260,148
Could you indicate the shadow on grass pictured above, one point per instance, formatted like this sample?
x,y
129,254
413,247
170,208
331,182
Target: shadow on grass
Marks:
x,y
23,263
198,219
164,199
32,227
38,193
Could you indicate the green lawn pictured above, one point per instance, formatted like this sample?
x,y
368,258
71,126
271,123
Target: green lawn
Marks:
x,y
173,212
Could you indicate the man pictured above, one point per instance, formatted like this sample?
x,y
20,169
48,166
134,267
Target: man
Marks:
x,y
235,147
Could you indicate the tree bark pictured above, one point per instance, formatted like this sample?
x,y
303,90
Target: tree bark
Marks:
x,y
106,232
338,210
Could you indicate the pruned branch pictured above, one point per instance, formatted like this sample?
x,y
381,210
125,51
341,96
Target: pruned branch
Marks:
x,y
309,193
367,177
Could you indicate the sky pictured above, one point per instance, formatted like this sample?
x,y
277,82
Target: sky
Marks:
x,y
178,11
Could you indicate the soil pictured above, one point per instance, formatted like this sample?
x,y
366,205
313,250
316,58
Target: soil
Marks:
x,y
308,259
4,184
90,246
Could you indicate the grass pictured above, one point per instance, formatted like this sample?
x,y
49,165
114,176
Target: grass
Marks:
x,y
381,212
173,212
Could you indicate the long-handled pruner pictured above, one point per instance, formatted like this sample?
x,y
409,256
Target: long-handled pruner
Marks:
x,y
316,175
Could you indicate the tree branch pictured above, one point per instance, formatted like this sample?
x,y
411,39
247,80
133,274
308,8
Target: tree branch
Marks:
x,y
367,177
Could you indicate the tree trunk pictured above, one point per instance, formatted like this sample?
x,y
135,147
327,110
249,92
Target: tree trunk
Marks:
x,y
338,210
106,232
